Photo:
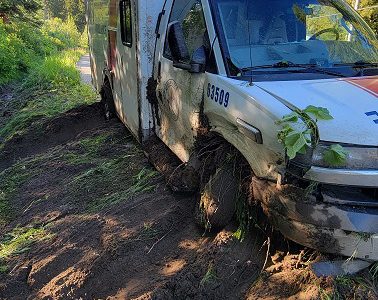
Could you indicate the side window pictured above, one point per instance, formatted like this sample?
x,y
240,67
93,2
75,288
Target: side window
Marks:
x,y
190,15
125,18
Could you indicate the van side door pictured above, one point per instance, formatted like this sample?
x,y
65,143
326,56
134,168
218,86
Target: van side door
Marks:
x,y
180,92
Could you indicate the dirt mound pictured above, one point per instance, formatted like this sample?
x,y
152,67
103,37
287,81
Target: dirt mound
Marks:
x,y
47,134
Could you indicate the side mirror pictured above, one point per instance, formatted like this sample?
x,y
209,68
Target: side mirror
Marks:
x,y
198,61
180,52
177,44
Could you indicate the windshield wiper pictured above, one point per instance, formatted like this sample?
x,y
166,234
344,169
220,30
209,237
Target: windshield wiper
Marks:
x,y
359,64
303,68
278,65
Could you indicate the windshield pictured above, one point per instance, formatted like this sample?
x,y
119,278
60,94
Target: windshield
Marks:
x,y
267,33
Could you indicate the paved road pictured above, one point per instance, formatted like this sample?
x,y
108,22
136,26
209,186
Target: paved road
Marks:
x,y
84,67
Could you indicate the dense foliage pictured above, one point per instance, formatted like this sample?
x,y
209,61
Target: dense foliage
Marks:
x,y
23,46
65,9
369,11
24,10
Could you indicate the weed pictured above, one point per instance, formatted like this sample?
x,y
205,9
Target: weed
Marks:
x,y
344,281
243,217
10,180
210,276
148,232
3,268
374,271
300,132
311,188
364,236
323,295
19,241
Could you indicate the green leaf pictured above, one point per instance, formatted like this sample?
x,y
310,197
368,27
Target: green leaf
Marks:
x,y
335,156
283,133
296,142
290,118
320,113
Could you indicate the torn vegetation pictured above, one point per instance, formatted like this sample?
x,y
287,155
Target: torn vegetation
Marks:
x,y
300,132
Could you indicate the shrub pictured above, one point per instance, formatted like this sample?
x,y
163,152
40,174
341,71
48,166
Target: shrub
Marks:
x,y
23,46
55,71
64,33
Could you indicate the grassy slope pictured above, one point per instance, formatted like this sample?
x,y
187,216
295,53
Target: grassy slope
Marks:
x,y
51,88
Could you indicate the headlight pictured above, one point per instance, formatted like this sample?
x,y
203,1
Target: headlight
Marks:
x,y
358,158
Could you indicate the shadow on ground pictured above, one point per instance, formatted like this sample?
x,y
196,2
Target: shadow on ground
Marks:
x,y
89,218
111,226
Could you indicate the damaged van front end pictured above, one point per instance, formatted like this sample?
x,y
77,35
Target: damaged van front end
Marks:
x,y
309,53
332,209
343,222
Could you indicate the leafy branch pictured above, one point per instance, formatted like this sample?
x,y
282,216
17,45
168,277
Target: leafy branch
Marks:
x,y
300,132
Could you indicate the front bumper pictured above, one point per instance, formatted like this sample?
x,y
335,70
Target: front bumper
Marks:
x,y
366,178
330,228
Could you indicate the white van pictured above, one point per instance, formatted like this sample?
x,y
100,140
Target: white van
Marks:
x,y
291,86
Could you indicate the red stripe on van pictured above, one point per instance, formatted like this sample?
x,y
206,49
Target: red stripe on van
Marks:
x,y
369,84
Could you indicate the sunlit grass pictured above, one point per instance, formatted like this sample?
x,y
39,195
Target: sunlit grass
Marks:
x,y
19,241
52,88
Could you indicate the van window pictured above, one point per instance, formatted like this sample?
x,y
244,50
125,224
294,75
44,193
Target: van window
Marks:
x,y
190,15
324,33
125,19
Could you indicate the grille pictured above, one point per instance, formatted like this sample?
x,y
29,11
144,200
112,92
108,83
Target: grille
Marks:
x,y
373,193
352,196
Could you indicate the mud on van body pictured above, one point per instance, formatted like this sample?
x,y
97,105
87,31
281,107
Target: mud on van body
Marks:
x,y
181,70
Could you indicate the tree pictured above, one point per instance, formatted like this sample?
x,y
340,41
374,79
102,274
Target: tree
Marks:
x,y
22,10
64,9
368,10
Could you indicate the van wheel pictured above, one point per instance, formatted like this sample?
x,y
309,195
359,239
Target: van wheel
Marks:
x,y
215,205
107,101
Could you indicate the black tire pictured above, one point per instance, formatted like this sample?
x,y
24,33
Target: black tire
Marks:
x,y
215,205
107,101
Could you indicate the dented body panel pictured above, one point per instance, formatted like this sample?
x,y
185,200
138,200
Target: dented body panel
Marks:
x,y
330,228
346,101
182,101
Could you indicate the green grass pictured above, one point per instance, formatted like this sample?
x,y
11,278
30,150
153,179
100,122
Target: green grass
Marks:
x,y
19,241
210,276
115,191
110,179
50,89
10,181
89,149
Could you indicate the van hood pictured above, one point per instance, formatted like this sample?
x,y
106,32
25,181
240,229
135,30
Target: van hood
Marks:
x,y
353,102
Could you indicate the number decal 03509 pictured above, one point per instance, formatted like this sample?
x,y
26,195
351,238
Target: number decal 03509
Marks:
x,y
218,95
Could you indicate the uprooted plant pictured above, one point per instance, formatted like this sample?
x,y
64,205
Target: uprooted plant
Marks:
x,y
300,132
